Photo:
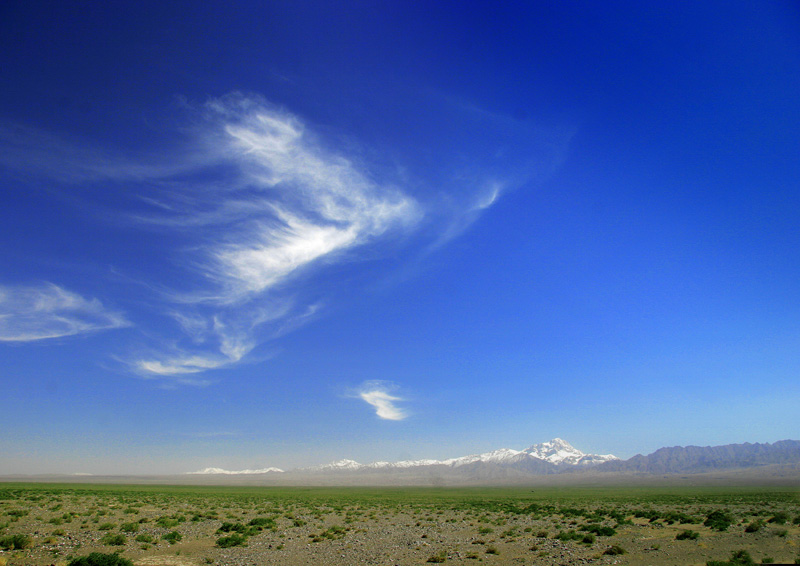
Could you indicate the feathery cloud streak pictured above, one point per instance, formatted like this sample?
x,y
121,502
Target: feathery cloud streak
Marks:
x,y
377,394
287,204
262,205
49,311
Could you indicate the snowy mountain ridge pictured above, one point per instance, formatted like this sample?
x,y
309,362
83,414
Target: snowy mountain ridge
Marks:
x,y
557,452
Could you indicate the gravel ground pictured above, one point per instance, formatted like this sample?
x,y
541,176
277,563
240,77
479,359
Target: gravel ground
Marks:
x,y
347,528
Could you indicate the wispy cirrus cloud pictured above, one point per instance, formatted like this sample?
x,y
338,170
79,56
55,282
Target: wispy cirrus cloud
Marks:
x,y
262,206
378,394
288,206
47,311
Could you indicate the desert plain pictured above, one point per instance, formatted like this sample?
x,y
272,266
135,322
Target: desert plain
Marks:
x,y
150,525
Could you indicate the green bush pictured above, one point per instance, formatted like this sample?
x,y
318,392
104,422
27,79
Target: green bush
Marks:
x,y
172,537
113,540
167,522
738,558
232,540
599,530
265,523
779,518
754,526
144,537
569,535
15,542
687,534
614,550
100,559
718,520
129,527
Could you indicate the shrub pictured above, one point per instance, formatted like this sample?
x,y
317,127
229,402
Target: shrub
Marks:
x,y
264,522
144,537
687,535
614,550
167,522
15,542
129,527
172,537
718,520
754,526
232,540
738,558
438,558
779,518
113,539
100,559
106,527
599,530
569,535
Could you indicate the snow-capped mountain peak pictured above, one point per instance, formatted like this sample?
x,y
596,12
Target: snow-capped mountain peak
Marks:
x,y
221,471
559,452
342,465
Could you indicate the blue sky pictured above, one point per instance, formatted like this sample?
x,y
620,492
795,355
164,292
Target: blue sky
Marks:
x,y
279,234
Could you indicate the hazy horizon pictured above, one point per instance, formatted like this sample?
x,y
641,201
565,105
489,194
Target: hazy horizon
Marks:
x,y
281,235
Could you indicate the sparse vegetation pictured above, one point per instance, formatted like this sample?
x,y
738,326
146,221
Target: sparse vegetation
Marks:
x,y
232,540
687,534
505,525
15,542
738,558
99,559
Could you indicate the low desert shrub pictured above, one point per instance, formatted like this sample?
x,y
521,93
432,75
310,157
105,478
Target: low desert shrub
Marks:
x,y
599,530
738,558
100,559
779,518
15,542
718,520
614,550
113,539
754,526
687,534
172,537
232,540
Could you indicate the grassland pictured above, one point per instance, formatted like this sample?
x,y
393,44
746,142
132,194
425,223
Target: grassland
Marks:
x,y
42,524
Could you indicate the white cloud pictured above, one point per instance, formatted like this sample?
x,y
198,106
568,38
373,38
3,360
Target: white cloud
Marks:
x,y
49,311
376,393
290,206
303,202
263,206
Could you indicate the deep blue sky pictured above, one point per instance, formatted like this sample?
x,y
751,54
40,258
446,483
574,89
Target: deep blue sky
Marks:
x,y
274,235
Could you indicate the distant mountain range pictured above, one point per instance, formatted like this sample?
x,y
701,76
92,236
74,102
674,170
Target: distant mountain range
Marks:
x,y
699,459
556,457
